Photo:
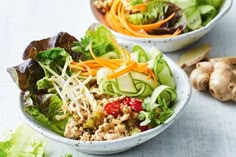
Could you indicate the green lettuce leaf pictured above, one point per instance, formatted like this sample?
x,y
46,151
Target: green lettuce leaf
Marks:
x,y
135,2
32,74
62,40
101,39
215,3
183,4
52,61
208,12
156,11
52,56
45,109
24,142
29,72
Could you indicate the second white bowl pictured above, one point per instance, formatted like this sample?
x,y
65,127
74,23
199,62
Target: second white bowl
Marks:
x,y
170,44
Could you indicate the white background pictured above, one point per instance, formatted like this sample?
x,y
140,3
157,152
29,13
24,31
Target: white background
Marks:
x,y
206,127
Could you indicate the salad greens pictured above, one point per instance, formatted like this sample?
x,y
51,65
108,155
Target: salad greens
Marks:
x,y
199,12
62,40
156,18
157,112
45,109
50,82
43,104
215,3
157,10
51,60
26,75
24,142
102,45
47,106
29,72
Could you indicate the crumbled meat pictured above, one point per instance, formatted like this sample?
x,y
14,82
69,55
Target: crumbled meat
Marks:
x,y
72,130
103,5
108,128
85,137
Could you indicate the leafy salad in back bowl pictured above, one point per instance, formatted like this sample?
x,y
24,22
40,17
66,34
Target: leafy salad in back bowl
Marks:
x,y
156,18
168,24
96,90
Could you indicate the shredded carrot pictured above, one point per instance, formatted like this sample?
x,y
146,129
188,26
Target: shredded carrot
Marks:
x,y
76,67
119,66
177,32
89,73
123,71
151,73
110,61
139,7
107,64
91,51
115,18
107,20
112,17
101,62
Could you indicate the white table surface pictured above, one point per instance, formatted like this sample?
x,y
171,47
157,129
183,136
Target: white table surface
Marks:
x,y
206,127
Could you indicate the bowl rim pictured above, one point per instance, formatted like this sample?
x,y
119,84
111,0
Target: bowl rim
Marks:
x,y
54,136
227,4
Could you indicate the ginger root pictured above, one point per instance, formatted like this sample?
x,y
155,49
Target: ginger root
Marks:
x,y
194,55
217,75
201,75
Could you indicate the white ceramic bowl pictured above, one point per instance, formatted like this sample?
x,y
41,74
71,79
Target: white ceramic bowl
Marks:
x,y
108,147
171,44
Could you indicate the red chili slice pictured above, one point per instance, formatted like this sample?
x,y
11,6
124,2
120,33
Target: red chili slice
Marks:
x,y
143,128
113,108
134,103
